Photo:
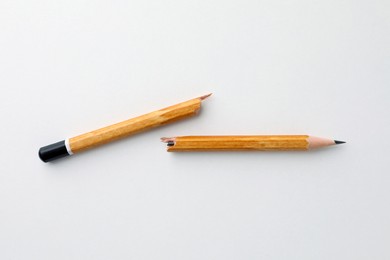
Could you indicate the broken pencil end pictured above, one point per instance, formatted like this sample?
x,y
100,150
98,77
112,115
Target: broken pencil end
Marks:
x,y
205,96
168,139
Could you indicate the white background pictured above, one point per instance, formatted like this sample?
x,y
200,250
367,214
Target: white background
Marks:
x,y
275,67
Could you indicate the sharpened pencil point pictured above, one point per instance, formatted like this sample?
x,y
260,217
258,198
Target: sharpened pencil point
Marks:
x,y
339,142
205,96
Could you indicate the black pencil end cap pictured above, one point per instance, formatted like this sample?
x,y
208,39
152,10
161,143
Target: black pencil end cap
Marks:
x,y
53,151
339,142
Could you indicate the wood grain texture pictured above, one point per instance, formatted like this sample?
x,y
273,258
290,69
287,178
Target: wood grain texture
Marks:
x,y
135,125
238,143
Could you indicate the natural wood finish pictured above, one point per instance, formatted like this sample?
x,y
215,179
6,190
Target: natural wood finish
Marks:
x,y
238,143
135,125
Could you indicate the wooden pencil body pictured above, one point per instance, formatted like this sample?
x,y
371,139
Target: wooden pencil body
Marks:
x,y
134,125
240,143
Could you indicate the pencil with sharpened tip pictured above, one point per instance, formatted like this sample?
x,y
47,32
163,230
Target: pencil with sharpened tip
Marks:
x,y
246,143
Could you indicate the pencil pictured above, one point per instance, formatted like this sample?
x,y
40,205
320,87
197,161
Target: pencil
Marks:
x,y
120,130
246,143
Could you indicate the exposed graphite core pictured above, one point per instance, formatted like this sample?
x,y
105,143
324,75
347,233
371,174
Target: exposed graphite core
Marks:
x,y
339,142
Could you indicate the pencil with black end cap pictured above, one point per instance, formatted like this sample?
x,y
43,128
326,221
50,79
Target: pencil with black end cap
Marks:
x,y
120,130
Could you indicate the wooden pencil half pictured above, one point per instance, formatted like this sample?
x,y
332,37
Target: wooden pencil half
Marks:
x,y
246,143
120,130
